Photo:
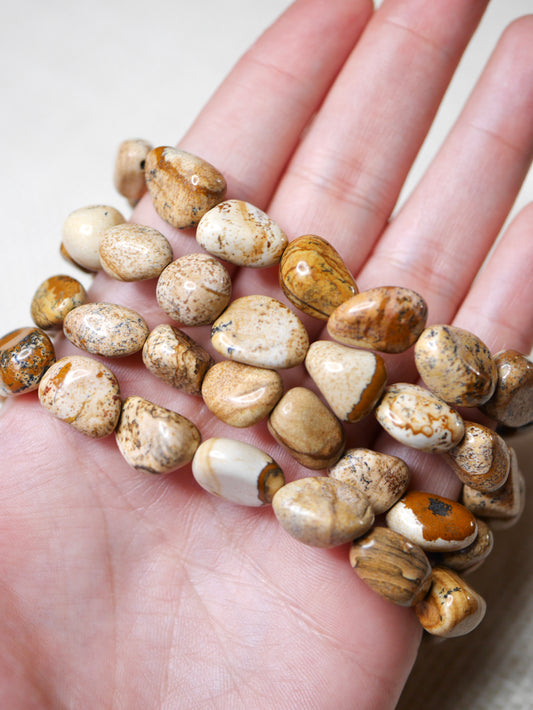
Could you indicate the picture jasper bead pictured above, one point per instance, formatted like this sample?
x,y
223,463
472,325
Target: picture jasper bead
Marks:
x,y
351,381
106,329
83,230
469,558
392,566
242,234
239,472
322,512
183,187
154,439
417,418
82,392
54,298
128,176
387,318
25,355
505,502
512,401
456,365
314,277
131,252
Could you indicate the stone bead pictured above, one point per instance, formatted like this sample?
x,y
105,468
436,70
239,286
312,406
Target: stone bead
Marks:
x,y
106,329
512,401
154,439
456,365
177,359
260,331
417,418
194,289
322,512
481,459
83,230
241,395
387,318
433,522
303,424
242,234
392,566
469,558
83,393
183,187
66,256
509,522
128,176
314,277
451,608
351,381
381,477
25,355
54,298
238,472
131,252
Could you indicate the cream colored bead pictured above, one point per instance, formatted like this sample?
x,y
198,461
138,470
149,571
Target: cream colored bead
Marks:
x,y
105,329
83,230
129,169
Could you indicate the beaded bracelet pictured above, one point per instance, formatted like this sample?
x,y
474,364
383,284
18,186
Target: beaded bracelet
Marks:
x,y
412,560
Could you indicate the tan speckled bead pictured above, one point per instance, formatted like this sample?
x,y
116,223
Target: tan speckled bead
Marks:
x,y
154,439
129,169
512,401
54,298
177,359
132,252
381,477
451,608
25,355
241,395
469,558
322,512
183,187
303,424
194,289
392,566
106,329
83,230
82,392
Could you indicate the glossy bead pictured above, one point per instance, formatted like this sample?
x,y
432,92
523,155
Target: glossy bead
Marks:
x,y
506,502
25,355
512,401
106,329
83,230
54,298
469,558
128,175
131,252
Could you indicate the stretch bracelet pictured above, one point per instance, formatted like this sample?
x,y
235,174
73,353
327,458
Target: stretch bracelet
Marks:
x,y
408,546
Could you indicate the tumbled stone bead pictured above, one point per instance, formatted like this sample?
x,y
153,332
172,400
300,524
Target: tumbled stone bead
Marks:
x,y
512,401
128,175
322,512
83,230
238,472
469,558
351,381
242,234
392,566
456,365
381,477
177,359
314,277
194,289
132,252
481,459
451,608
66,256
183,187
260,331
433,522
303,424
418,418
154,439
54,298
106,329
506,502
387,318
83,393
241,395
509,522
25,355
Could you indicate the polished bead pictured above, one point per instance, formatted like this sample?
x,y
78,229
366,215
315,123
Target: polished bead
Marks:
x,y
66,256
387,318
132,252
183,187
506,502
83,230
106,329
303,424
83,393
314,277
260,331
350,380
512,401
381,477
241,395
469,558
128,175
418,418
154,439
54,298
238,472
392,566
322,512
25,355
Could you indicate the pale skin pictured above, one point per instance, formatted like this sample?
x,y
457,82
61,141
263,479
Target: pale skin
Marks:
x,y
125,590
